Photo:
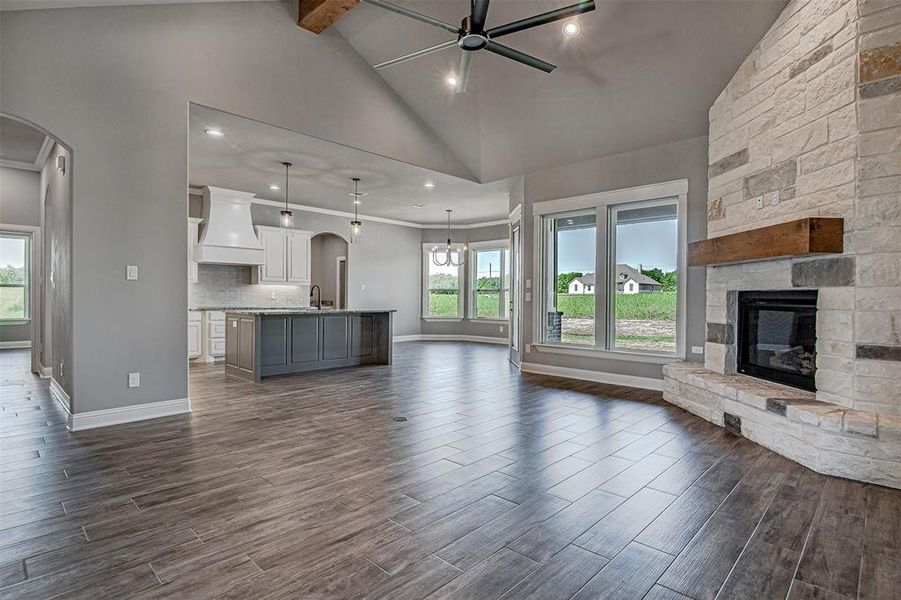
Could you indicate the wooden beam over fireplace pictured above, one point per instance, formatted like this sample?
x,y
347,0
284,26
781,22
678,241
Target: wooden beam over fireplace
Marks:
x,y
811,235
319,15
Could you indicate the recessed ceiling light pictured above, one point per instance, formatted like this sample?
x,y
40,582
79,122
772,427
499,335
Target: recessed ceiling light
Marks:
x,y
430,185
451,81
571,29
214,132
274,187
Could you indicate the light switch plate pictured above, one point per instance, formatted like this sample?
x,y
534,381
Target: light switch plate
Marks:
x,y
697,349
134,380
131,272
528,296
528,348
528,283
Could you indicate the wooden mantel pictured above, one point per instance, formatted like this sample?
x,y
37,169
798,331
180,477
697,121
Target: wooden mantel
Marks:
x,y
811,235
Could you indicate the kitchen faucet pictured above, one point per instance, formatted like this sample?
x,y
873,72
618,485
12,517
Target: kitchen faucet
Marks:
x,y
318,296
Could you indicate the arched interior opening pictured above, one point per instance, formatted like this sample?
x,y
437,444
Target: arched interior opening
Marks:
x,y
328,265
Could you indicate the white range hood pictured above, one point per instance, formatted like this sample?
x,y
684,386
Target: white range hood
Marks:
x,y
228,236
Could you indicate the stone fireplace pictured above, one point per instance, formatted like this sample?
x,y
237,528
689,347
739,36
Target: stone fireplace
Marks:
x,y
810,126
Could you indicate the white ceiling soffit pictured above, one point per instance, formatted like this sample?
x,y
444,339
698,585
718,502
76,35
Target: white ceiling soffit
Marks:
x,y
22,146
249,156
641,73
44,4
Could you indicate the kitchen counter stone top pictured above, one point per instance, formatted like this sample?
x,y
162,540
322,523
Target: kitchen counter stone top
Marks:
x,y
294,311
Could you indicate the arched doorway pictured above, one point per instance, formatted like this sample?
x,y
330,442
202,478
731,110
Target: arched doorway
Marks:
x,y
328,258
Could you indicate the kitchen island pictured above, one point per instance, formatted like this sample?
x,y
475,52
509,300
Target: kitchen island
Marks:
x,y
262,343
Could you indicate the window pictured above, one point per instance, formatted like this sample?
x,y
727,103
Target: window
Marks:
x,y
490,269
14,276
645,236
442,298
610,267
570,241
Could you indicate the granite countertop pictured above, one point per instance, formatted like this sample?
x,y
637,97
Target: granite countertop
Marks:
x,y
294,311
246,308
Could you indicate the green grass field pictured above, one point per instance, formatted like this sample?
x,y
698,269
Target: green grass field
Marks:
x,y
445,305
660,305
12,305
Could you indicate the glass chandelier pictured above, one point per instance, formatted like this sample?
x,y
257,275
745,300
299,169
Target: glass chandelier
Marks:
x,y
448,252
356,226
287,217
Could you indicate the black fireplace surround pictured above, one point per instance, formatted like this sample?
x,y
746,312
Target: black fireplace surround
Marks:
x,y
777,336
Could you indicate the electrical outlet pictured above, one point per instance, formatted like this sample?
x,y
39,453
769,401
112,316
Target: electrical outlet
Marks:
x,y
134,380
272,296
528,284
363,286
131,272
760,202
501,328
528,348
697,349
774,198
528,296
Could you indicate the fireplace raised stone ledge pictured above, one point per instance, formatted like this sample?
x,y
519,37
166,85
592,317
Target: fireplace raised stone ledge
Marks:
x,y
826,437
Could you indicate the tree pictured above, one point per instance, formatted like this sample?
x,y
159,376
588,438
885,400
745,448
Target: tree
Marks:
x,y
439,282
667,279
11,274
564,279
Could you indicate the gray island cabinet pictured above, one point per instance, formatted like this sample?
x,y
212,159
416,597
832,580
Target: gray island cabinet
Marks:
x,y
261,343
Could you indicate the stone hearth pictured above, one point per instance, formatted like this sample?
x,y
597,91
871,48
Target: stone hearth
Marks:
x,y
810,126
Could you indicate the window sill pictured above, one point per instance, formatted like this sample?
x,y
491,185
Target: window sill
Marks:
x,y
660,359
15,321
487,320
440,319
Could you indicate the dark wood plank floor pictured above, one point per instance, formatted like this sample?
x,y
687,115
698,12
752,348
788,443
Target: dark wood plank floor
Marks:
x,y
497,485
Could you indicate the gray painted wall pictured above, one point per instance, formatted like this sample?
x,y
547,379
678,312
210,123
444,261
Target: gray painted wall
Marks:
x,y
382,272
20,204
114,85
57,314
680,160
20,197
466,326
324,252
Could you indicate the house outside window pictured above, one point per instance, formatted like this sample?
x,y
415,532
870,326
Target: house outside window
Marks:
x,y
611,272
15,277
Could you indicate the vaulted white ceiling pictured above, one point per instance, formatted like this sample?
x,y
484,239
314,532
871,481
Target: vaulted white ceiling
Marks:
x,y
641,73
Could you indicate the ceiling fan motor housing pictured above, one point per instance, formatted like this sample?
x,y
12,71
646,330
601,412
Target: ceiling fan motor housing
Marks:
x,y
471,39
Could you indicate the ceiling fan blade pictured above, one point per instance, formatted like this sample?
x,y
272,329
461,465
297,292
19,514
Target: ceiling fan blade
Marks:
x,y
463,75
414,15
542,19
479,14
416,54
520,57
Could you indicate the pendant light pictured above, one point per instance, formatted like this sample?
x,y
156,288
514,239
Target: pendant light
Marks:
x,y
287,217
448,251
356,226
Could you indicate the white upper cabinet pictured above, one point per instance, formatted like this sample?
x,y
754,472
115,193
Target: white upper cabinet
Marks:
x,y
299,257
286,256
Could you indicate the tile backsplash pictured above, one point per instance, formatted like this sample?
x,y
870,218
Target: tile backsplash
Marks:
x,y
230,286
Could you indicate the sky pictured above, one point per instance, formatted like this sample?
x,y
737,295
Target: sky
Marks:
x,y
11,252
650,244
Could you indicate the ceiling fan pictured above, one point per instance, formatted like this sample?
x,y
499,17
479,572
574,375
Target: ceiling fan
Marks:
x,y
472,35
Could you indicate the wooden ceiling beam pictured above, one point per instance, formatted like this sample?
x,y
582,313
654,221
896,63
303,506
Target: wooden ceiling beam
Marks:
x,y
319,15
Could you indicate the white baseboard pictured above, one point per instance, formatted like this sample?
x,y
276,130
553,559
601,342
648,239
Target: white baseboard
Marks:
x,y
46,372
128,414
22,344
646,383
434,337
60,395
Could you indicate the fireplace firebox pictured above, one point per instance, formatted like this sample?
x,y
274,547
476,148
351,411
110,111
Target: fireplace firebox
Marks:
x,y
777,336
